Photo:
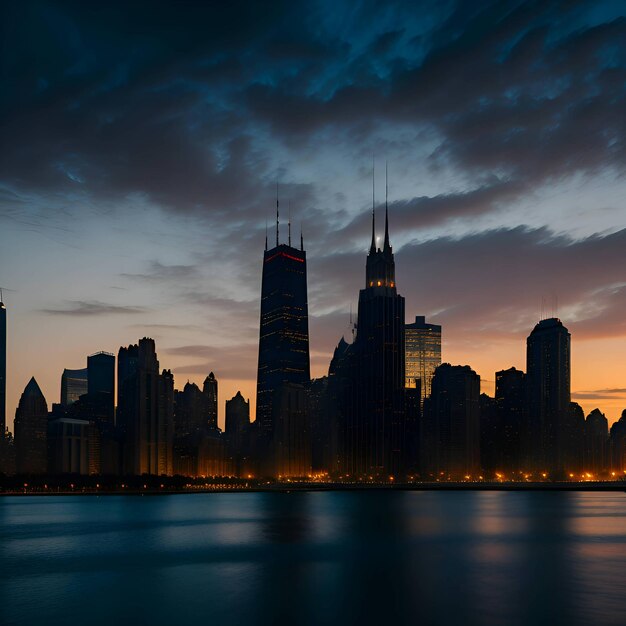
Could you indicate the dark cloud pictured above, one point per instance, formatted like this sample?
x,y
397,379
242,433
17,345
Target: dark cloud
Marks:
x,y
80,308
192,108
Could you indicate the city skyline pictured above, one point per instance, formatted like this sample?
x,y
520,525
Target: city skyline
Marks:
x,y
138,178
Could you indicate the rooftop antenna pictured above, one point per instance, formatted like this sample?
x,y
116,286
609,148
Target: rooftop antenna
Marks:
x,y
266,233
289,226
387,246
277,213
301,238
373,246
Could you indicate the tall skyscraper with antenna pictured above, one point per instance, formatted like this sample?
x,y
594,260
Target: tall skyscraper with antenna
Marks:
x,y
284,328
376,417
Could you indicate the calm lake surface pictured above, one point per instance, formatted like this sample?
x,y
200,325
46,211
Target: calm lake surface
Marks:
x,y
315,558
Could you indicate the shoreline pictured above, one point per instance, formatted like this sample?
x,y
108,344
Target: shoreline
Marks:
x,y
609,486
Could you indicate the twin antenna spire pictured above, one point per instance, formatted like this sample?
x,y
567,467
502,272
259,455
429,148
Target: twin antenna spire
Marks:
x,y
288,225
387,246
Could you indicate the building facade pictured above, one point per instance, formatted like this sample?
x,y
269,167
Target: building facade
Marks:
x,y
283,337
74,384
548,386
423,354
453,413
375,431
31,424
145,410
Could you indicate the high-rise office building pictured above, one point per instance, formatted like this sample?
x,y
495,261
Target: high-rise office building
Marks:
x,y
210,392
618,445
3,367
453,413
237,433
101,382
145,409
548,385
237,416
284,327
375,434
596,442
190,410
31,423
511,412
423,354
74,384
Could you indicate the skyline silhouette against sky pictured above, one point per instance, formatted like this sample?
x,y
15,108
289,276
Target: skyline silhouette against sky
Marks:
x,y
142,145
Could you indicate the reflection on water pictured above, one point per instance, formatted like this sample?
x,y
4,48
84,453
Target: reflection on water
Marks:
x,y
315,558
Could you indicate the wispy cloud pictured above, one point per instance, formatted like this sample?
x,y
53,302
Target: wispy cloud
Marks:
x,y
92,308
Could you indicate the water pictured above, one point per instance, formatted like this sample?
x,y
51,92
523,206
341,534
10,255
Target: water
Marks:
x,y
315,558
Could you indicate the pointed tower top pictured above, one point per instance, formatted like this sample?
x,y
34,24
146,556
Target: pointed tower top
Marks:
x,y
277,213
387,245
373,245
32,389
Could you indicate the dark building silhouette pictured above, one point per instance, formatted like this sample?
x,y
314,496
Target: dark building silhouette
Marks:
x,y
31,423
340,399
3,367
618,445
548,385
491,436
423,354
190,410
321,425
596,443
291,442
453,415
237,419
284,327
145,410
72,447
375,433
210,391
510,401
283,346
575,440
101,382
74,384
237,433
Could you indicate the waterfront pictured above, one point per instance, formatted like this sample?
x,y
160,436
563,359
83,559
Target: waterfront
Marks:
x,y
315,558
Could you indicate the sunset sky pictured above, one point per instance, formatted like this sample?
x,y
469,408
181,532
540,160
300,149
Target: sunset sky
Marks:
x,y
141,146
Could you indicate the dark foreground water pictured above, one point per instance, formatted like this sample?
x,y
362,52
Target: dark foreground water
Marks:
x,y
315,558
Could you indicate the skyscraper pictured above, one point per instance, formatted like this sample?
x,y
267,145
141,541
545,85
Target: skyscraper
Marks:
x,y
284,327
454,420
31,422
511,410
101,382
74,384
375,417
3,367
596,442
210,392
548,384
145,409
423,354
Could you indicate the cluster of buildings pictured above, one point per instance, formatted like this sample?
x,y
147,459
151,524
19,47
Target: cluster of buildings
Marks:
x,y
388,408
